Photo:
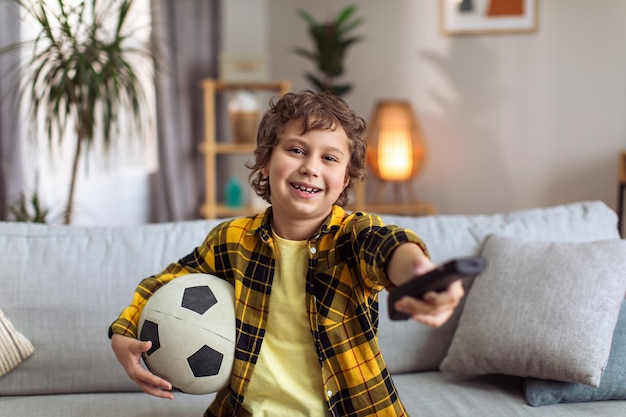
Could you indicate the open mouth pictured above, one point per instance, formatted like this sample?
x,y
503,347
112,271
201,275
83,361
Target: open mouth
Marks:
x,y
309,190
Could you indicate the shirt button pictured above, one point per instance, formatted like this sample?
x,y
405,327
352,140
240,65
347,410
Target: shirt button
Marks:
x,y
313,250
329,393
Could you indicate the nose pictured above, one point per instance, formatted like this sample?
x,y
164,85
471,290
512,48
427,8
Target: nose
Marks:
x,y
310,167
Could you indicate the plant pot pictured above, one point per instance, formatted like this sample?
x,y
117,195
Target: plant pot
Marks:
x,y
244,126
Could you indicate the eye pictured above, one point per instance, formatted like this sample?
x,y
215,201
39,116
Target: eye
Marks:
x,y
331,158
297,151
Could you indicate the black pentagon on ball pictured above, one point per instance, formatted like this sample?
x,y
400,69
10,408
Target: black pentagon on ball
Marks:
x,y
150,331
205,362
199,299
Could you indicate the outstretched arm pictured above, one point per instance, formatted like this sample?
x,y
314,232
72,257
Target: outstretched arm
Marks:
x,y
408,260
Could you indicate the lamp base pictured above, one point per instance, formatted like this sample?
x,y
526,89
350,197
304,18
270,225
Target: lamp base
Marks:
x,y
402,192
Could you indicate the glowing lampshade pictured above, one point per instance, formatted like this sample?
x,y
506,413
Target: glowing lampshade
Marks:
x,y
395,146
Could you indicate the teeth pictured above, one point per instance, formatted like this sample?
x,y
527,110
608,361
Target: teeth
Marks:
x,y
306,189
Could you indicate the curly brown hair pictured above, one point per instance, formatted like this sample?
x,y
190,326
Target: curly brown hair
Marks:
x,y
316,111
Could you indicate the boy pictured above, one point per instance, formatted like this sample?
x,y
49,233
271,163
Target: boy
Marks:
x,y
306,276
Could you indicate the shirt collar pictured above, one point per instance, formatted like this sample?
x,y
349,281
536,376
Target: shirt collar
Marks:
x,y
262,223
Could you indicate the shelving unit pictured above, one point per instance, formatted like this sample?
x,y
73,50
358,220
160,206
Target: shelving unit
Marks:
x,y
212,147
416,208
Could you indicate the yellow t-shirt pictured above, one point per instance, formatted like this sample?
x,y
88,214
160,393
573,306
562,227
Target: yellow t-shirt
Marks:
x,y
287,378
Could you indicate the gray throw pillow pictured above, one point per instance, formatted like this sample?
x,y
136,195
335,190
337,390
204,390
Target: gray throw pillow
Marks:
x,y
612,385
541,309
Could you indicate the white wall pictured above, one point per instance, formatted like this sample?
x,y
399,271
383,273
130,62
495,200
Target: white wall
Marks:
x,y
245,27
511,121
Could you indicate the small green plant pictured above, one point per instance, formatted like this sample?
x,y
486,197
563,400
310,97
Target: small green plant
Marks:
x,y
29,209
331,42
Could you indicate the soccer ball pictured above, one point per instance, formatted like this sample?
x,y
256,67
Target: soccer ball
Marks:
x,y
191,323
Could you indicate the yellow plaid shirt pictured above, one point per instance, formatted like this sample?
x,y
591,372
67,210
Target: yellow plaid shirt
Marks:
x,y
347,260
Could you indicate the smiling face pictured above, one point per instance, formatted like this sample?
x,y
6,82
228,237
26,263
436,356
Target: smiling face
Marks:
x,y
307,174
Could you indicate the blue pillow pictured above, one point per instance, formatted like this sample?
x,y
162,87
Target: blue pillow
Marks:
x,y
612,385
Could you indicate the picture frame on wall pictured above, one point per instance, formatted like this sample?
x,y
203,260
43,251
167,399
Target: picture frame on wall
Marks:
x,y
479,17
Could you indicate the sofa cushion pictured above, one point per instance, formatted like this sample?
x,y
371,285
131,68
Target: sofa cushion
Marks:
x,y
408,346
62,286
14,347
541,309
612,385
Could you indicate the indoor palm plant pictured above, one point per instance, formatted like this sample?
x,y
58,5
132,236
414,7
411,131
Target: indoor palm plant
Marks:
x,y
82,74
331,42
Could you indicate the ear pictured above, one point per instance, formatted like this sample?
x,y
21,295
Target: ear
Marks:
x,y
346,181
265,171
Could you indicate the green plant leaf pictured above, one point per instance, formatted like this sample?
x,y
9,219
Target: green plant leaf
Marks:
x,y
340,90
347,42
349,27
306,54
307,17
319,85
344,14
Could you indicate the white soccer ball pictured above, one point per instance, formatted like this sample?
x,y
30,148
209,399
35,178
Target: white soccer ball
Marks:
x,y
191,323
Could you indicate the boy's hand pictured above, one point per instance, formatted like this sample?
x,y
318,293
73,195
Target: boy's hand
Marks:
x,y
407,261
435,308
128,351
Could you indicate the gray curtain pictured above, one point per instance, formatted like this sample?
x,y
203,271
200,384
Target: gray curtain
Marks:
x,y
10,178
187,36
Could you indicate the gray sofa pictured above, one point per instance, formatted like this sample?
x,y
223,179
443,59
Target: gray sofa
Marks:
x,y
62,286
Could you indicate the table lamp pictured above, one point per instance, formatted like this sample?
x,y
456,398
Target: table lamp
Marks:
x,y
396,148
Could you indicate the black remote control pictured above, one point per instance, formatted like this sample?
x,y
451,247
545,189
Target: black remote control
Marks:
x,y
436,280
